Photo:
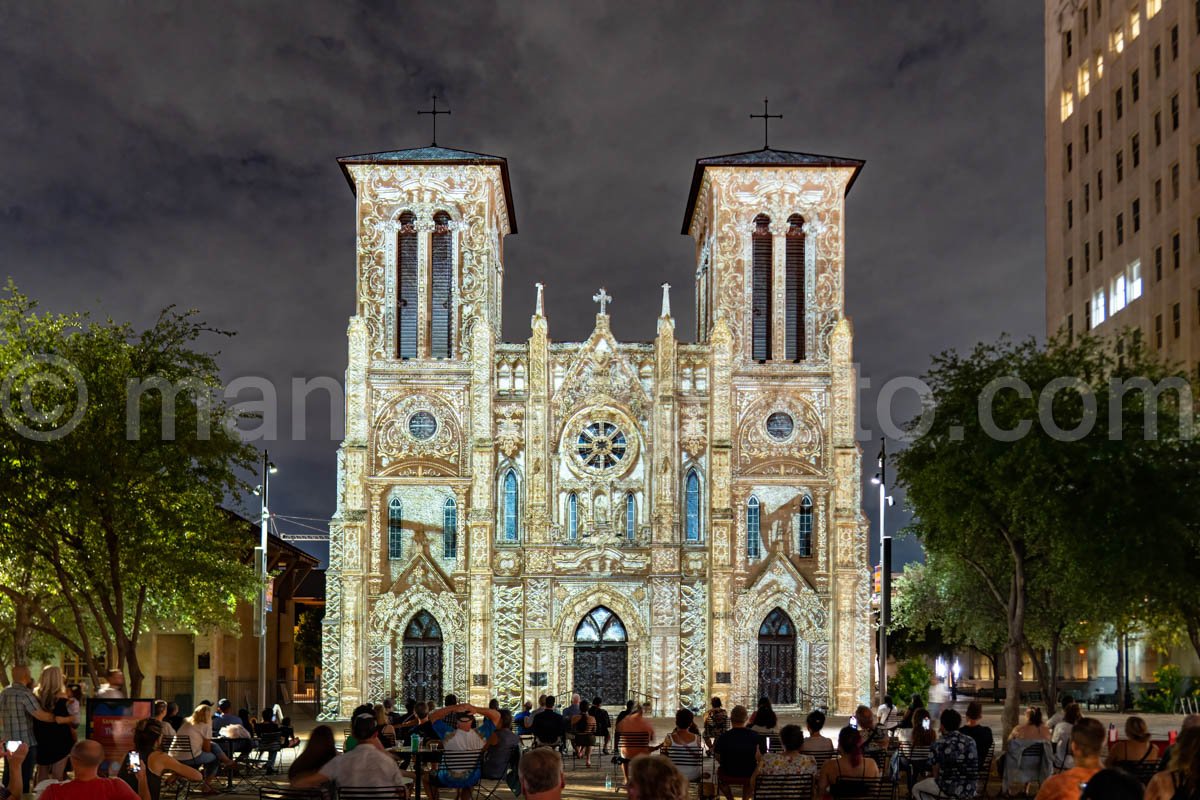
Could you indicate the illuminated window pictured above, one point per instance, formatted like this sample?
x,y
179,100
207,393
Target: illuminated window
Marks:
x,y
1068,105
1133,285
1085,81
1135,24
1152,8
1099,65
804,528
1098,308
630,516
1116,41
1117,295
511,506
692,492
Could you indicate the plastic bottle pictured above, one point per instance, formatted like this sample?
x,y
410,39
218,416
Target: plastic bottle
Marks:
x,y
415,742
608,784
1171,737
1112,733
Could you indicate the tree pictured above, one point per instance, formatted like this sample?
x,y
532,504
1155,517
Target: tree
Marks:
x,y
308,636
120,505
940,595
1016,472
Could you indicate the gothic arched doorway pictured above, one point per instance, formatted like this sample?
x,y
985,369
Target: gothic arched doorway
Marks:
x,y
777,658
421,664
601,656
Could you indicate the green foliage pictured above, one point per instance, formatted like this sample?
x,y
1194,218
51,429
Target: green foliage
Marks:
x,y
940,603
120,511
912,677
1169,687
1034,519
308,636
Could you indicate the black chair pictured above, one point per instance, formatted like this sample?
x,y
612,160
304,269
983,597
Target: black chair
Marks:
x,y
863,789
984,773
458,763
629,740
1143,770
686,759
783,787
487,787
957,773
913,761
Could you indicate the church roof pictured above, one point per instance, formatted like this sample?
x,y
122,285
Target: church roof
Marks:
x,y
766,157
436,155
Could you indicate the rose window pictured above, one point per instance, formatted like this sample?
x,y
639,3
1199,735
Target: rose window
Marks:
x,y
601,445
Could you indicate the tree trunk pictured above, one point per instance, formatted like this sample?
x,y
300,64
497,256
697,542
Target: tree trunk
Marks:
x,y
994,659
1037,657
1120,671
1055,648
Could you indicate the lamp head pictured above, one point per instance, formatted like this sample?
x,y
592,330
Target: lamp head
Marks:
x,y
271,468
876,479
258,490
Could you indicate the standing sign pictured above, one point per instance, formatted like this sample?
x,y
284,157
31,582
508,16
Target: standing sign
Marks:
x,y
110,721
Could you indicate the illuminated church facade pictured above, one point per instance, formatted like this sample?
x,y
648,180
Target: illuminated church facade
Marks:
x,y
657,521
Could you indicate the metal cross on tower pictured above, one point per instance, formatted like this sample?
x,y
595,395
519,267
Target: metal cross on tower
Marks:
x,y
766,118
434,112
603,298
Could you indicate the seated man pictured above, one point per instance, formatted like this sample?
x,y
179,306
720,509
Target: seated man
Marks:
x,y
87,784
548,727
541,774
368,764
525,712
230,732
1087,739
955,761
982,734
460,735
737,751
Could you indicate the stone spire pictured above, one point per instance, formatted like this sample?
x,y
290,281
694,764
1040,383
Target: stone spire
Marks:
x,y
666,301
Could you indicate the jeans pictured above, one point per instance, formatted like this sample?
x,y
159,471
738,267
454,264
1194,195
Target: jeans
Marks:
x,y
926,790
205,762
26,769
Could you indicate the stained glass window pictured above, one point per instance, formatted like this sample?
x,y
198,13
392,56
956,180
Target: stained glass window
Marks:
x,y
600,625
804,527
601,445
510,506
779,426
777,625
693,506
395,531
450,529
753,534
423,626
422,425
572,517
630,516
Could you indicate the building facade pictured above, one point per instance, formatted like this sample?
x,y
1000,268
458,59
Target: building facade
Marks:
x,y
659,521
1123,170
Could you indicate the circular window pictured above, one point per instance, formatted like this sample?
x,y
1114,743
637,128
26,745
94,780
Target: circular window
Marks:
x,y
779,426
422,425
601,445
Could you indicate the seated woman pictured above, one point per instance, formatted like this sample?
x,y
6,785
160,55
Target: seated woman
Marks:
x,y
915,704
1060,737
1182,778
205,753
850,769
1021,765
816,742
691,762
1032,728
792,761
501,752
147,737
319,751
913,760
763,722
583,725
1135,749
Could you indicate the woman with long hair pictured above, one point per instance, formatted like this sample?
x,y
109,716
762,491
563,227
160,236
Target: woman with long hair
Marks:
x,y
1135,749
655,778
1032,728
205,753
147,741
849,767
54,739
319,751
1181,781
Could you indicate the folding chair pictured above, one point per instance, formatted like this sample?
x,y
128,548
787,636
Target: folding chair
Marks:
x,y
783,787
456,763
957,773
1143,770
687,758
628,740
374,792
984,773
275,792
487,787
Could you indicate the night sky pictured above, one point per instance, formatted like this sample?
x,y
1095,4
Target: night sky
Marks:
x,y
185,153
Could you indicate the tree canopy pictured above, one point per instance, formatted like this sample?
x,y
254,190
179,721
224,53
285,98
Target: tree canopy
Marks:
x,y
117,456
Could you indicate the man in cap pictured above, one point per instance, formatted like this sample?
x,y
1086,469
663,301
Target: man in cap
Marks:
x,y
460,736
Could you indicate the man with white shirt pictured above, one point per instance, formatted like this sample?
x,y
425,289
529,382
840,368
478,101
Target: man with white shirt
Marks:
x,y
368,764
113,687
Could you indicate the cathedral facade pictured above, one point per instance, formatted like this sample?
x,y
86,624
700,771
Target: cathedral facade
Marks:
x,y
656,521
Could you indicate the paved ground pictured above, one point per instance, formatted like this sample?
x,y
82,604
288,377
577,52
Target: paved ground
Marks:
x,y
590,783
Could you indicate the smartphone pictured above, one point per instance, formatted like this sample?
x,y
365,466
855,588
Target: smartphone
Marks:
x,y
135,761
854,723
925,724
12,746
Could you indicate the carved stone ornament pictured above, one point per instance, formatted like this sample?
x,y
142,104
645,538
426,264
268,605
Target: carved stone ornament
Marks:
x,y
761,453
509,430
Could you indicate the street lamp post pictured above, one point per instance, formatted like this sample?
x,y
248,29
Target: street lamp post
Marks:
x,y
885,565
260,563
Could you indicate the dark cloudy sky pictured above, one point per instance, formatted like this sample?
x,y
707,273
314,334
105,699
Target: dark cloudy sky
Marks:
x,y
158,153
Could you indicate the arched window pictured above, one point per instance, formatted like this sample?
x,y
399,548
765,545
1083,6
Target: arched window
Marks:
x,y
442,311
794,289
572,516
804,527
395,530
760,302
692,510
753,530
511,506
630,516
450,528
406,287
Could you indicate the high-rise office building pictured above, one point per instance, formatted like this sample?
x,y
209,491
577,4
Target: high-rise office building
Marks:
x,y
1123,170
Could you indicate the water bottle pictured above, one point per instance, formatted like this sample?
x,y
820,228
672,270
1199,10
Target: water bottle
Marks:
x,y
1171,736
1112,733
608,781
415,742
